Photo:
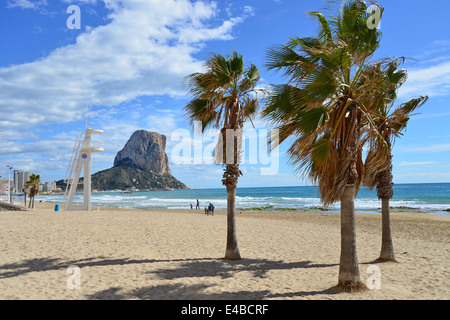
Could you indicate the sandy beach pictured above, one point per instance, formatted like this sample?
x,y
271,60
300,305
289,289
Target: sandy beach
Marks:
x,y
156,254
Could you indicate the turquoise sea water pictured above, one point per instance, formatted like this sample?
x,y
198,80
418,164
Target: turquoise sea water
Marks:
x,y
433,198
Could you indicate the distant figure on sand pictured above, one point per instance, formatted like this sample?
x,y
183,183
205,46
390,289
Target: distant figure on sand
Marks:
x,y
191,206
198,205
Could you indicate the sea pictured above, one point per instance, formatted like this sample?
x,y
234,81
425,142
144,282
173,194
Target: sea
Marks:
x,y
425,197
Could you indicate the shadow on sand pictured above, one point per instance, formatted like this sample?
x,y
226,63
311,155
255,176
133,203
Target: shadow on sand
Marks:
x,y
189,268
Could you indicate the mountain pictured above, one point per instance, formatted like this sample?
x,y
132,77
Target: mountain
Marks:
x,y
142,164
144,150
123,178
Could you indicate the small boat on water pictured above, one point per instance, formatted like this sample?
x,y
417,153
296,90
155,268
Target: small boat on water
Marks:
x,y
127,191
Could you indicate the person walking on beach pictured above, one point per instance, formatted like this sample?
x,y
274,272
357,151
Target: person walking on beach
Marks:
x,y
197,207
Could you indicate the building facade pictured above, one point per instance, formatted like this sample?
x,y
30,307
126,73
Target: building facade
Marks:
x,y
4,186
20,178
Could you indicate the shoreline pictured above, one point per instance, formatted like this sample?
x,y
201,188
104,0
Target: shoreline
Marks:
x,y
178,255
435,200
393,209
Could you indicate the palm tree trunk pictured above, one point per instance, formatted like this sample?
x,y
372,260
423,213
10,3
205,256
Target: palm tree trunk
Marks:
x,y
232,145
387,248
349,278
232,250
385,191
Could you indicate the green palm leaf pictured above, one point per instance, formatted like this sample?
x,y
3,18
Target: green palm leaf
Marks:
x,y
329,93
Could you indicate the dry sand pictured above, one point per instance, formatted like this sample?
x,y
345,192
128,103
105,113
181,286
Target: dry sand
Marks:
x,y
148,254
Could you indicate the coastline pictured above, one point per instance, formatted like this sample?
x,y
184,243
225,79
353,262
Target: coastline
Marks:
x,y
432,199
171,255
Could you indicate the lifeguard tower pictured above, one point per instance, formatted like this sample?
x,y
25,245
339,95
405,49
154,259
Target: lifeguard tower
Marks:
x,y
81,158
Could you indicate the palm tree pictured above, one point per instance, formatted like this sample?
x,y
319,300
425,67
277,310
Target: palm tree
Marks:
x,y
223,97
386,125
33,183
322,109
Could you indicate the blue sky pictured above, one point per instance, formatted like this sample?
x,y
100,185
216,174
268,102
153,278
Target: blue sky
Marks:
x,y
129,58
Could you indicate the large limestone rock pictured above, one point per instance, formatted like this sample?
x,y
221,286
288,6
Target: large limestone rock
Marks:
x,y
144,150
141,164
122,178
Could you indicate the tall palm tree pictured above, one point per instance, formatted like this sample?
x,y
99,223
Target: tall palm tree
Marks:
x,y
223,97
33,183
385,126
322,109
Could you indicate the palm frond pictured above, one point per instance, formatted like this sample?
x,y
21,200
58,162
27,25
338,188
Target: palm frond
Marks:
x,y
331,97
293,64
402,114
325,31
223,95
279,107
236,64
352,28
200,110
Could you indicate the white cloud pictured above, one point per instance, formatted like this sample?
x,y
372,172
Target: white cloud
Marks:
x,y
431,75
418,163
80,1
419,177
431,81
25,4
432,115
164,124
432,148
146,49
437,46
39,6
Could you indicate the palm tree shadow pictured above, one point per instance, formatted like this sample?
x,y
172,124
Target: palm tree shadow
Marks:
x,y
198,268
175,291
27,266
178,291
48,264
330,291
227,268
379,260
